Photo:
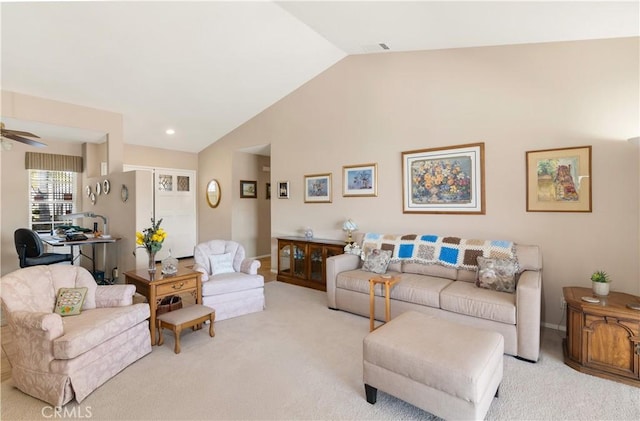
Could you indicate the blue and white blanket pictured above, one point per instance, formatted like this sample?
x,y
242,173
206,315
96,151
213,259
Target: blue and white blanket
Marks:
x,y
453,252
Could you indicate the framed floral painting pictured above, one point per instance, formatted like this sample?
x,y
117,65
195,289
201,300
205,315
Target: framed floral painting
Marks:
x,y
360,180
444,180
559,180
317,188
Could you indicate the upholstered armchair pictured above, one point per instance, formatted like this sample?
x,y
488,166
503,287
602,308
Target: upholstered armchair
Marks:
x,y
58,358
230,282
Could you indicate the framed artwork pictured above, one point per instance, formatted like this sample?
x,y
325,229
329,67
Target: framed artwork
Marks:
x,y
268,191
559,180
360,180
317,188
444,180
283,189
248,189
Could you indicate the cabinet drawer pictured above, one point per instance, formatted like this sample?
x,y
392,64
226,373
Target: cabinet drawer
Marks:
x,y
176,287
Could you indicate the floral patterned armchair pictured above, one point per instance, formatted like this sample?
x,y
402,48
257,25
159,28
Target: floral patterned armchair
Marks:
x,y
58,358
230,282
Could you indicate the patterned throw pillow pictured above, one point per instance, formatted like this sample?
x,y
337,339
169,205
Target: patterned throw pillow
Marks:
x,y
377,261
221,263
497,274
69,302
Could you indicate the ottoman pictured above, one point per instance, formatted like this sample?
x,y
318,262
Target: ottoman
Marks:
x,y
447,369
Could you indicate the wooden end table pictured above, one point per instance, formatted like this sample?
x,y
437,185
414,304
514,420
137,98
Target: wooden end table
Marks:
x,y
388,282
603,339
159,286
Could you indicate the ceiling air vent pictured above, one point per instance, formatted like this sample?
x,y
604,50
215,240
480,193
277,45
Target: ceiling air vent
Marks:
x,y
375,48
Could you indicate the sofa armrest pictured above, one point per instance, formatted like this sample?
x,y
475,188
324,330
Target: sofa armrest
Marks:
x,y
114,295
48,323
33,338
528,305
250,266
199,268
335,265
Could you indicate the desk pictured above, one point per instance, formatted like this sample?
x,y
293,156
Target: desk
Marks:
x,y
159,286
61,242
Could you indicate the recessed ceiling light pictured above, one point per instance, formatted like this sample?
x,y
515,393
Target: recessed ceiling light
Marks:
x,y
170,131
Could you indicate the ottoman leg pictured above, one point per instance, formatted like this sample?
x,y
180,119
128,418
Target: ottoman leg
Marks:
x,y
371,392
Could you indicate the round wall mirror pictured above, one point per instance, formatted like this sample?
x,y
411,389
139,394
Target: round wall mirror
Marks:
x,y
213,193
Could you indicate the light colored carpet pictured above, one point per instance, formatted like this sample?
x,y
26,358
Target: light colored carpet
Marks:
x,y
299,360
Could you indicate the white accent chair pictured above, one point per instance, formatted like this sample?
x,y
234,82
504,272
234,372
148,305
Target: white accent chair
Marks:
x,y
230,282
55,358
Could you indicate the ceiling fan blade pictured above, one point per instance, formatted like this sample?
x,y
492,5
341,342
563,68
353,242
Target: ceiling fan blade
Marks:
x,y
19,133
23,140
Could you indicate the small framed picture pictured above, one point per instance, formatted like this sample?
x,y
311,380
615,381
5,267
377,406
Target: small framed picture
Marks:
x,y
360,180
317,188
268,192
283,189
559,180
248,189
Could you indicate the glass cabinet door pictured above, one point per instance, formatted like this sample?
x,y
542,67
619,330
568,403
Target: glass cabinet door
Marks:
x,y
315,258
284,259
299,261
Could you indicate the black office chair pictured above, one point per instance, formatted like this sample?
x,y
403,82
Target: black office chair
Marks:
x,y
31,250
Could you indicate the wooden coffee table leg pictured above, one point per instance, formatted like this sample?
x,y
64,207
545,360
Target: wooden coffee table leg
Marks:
x,y
387,310
372,307
211,319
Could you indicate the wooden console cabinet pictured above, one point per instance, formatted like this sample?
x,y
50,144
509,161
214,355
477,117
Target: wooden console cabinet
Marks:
x,y
303,262
603,339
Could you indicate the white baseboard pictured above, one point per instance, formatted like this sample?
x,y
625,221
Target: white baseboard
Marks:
x,y
554,326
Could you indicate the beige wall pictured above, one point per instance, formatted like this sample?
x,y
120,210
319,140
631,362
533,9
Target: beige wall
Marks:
x,y
370,108
159,158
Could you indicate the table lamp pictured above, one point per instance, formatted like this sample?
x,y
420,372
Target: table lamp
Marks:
x,y
349,226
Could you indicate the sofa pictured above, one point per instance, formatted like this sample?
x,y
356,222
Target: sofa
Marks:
x,y
230,281
57,355
446,287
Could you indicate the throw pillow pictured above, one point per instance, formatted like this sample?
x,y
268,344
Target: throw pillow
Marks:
x,y
377,261
221,263
69,301
497,274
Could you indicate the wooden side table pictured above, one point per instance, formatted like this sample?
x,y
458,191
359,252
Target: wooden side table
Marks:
x,y
603,339
159,286
388,282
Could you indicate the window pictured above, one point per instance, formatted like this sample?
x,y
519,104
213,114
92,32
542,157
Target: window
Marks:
x,y
52,195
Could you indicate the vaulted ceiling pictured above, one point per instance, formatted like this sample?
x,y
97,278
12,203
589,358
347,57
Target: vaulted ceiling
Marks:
x,y
204,68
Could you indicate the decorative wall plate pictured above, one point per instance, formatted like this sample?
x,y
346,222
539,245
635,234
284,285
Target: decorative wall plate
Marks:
x,y
98,188
87,191
93,198
106,186
124,193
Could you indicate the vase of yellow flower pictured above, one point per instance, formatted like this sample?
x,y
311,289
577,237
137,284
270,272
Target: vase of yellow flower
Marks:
x,y
151,240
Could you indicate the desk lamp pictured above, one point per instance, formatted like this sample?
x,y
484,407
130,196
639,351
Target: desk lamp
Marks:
x,y
90,215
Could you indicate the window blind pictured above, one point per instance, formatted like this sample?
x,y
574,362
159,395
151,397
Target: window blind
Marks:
x,y
52,162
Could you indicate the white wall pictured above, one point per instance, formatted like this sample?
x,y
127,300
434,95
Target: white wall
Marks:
x,y
371,108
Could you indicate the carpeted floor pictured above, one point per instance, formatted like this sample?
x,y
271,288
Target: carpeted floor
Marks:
x,y
299,360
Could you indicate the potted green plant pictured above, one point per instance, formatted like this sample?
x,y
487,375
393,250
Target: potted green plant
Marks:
x,y
600,282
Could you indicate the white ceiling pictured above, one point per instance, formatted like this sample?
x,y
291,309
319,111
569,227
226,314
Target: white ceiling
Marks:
x,y
204,68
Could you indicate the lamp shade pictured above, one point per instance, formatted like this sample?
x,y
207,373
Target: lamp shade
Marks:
x,y
349,225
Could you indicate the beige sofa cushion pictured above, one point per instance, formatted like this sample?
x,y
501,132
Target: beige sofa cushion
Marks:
x,y
420,289
358,280
93,327
432,270
466,298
